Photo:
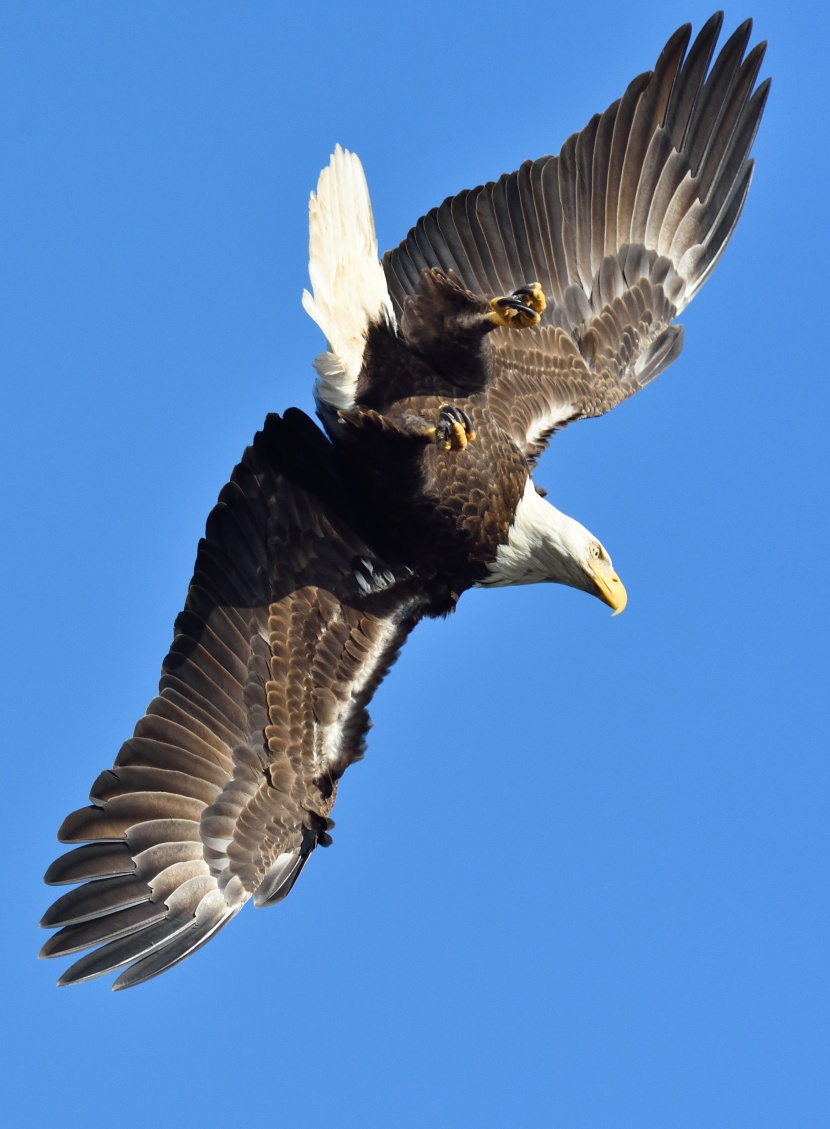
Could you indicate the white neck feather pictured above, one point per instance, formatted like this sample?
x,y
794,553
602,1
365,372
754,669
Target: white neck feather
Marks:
x,y
543,545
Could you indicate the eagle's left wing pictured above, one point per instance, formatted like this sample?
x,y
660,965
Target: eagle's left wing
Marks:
x,y
225,787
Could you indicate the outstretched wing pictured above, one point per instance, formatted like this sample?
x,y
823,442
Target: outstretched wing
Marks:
x,y
544,381
621,230
226,786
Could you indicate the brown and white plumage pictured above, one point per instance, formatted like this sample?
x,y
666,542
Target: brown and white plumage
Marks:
x,y
621,229
227,783
324,550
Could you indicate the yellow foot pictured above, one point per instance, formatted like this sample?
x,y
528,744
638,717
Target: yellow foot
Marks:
x,y
521,310
453,431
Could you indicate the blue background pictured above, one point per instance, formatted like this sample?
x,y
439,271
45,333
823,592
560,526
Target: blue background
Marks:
x,y
581,878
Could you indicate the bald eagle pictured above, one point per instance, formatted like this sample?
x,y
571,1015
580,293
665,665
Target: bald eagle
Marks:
x,y
511,310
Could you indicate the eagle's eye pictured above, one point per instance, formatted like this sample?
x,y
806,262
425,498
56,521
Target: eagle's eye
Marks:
x,y
596,550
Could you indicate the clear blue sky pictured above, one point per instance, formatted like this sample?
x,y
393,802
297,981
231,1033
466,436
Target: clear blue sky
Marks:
x,y
581,878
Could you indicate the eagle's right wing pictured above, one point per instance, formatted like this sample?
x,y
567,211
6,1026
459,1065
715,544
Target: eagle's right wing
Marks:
x,y
620,229
225,788
548,378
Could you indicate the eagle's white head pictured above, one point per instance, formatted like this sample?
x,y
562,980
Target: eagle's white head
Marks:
x,y
547,545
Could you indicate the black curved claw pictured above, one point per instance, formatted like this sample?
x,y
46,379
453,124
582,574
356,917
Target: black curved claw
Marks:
x,y
458,414
451,418
465,419
515,303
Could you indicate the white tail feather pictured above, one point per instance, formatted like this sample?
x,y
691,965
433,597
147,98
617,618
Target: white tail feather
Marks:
x,y
348,282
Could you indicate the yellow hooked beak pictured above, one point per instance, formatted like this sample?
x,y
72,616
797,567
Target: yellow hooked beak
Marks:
x,y
611,589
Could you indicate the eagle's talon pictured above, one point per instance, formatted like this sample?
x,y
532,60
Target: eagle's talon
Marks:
x,y
521,309
454,429
533,296
468,424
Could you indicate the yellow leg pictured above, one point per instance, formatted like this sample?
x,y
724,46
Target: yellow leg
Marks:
x,y
521,309
453,431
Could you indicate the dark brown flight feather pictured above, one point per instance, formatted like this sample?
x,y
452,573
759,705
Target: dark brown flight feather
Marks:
x,y
227,784
620,229
325,550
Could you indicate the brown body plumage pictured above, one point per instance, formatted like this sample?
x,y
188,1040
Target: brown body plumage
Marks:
x,y
325,550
